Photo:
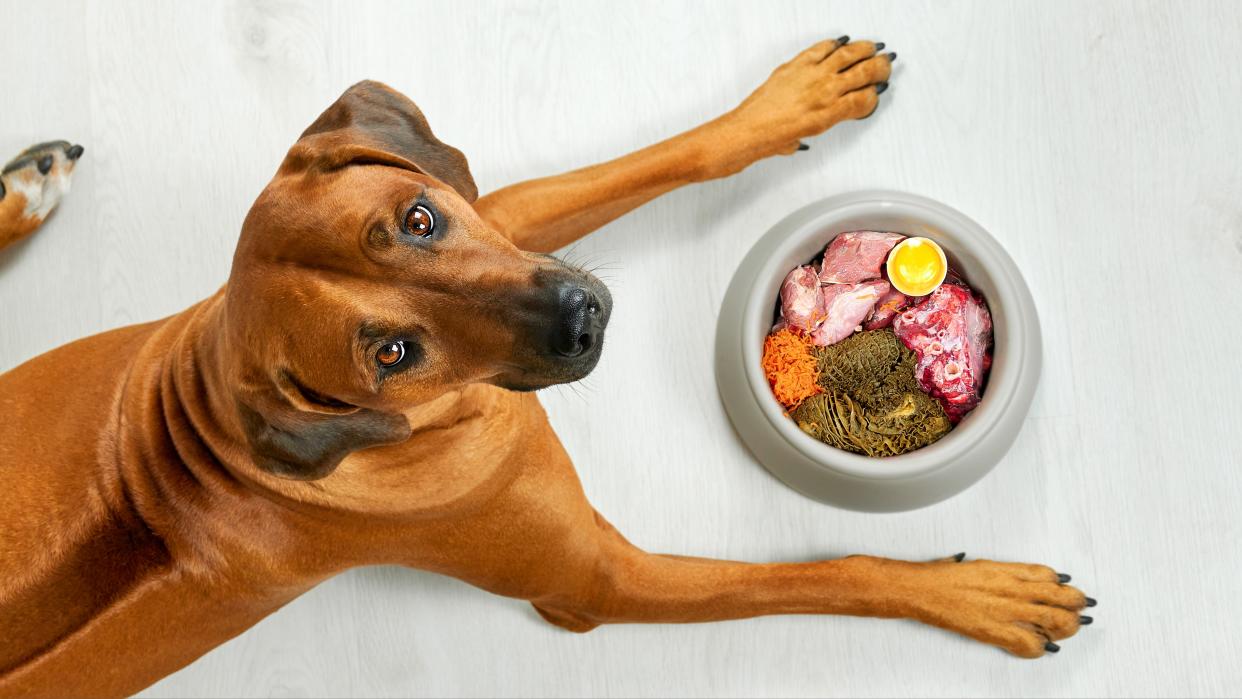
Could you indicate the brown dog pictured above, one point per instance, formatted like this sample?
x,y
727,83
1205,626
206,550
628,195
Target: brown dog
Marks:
x,y
360,393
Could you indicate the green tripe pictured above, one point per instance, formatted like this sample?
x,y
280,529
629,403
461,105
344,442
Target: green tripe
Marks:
x,y
872,403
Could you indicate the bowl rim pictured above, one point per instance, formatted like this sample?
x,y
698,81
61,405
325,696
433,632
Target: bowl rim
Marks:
x,y
1010,360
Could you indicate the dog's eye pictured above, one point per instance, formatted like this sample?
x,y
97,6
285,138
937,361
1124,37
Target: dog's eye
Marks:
x,y
391,354
420,222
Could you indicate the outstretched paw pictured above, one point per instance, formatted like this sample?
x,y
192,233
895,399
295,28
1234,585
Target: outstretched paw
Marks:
x,y
827,83
32,185
1023,609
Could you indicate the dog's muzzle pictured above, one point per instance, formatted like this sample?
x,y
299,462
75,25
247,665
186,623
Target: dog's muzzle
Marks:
x,y
569,311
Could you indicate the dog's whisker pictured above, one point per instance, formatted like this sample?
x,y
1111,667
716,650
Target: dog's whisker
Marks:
x,y
569,251
573,390
586,261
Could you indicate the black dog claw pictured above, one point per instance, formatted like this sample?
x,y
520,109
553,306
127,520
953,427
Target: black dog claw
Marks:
x,y
892,56
843,40
880,87
1063,578
1052,647
879,46
74,152
45,164
1085,621
958,558
1090,602
803,146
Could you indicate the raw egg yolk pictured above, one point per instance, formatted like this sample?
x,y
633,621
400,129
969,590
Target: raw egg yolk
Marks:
x,y
916,266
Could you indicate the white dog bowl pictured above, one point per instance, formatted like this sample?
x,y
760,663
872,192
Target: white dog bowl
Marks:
x,y
837,477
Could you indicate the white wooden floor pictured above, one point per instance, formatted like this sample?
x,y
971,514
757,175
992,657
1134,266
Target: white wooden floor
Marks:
x,y
1100,142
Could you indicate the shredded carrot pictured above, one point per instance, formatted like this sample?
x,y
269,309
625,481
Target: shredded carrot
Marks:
x,y
791,367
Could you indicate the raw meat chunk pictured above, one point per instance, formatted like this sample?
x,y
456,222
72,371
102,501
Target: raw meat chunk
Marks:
x,y
802,301
885,310
950,332
848,305
857,256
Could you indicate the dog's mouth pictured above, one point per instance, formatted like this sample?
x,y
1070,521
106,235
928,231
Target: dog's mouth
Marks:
x,y
526,380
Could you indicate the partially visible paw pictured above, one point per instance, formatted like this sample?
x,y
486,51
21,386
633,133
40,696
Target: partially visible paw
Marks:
x,y
827,83
1023,609
32,185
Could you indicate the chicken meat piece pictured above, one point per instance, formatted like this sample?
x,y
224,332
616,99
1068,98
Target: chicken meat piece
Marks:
x,y
802,300
886,308
857,256
847,306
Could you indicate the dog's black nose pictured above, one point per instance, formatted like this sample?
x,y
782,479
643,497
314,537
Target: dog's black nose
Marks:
x,y
74,152
580,321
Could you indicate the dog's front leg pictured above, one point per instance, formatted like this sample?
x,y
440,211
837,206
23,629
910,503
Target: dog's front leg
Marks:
x,y
1020,608
828,83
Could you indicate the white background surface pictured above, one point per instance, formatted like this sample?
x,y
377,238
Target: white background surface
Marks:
x,y
1098,142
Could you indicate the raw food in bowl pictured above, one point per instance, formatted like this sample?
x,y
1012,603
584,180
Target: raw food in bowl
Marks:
x,y
861,366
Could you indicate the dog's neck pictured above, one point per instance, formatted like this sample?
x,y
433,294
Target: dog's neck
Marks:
x,y
194,532
187,437
140,548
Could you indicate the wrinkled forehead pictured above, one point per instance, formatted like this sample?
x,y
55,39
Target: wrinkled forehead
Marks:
x,y
353,188
370,187
301,213
371,151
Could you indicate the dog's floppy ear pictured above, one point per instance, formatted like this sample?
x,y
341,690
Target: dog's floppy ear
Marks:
x,y
296,434
373,123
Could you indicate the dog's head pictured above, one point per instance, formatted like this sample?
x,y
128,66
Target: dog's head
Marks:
x,y
364,284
